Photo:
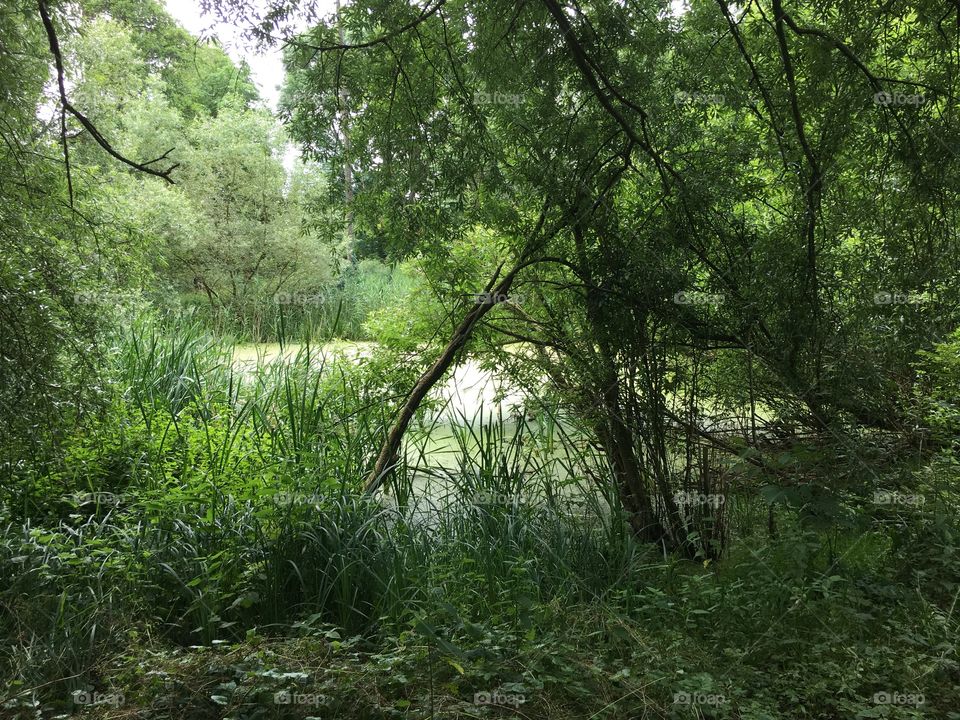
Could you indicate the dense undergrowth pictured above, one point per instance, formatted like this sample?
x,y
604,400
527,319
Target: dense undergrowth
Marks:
x,y
199,549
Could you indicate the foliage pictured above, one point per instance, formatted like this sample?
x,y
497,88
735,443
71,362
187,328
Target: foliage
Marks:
x,y
726,236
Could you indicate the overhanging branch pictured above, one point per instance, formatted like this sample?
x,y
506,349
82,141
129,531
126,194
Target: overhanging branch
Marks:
x,y
84,121
381,40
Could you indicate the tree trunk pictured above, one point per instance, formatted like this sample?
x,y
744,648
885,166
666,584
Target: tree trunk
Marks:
x,y
386,460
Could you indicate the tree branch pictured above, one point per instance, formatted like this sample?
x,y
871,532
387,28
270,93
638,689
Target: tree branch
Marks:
x,y
341,46
591,72
87,124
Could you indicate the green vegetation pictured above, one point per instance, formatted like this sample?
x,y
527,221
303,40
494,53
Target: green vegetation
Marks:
x,y
711,248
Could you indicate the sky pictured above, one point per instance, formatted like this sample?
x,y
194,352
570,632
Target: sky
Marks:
x,y
266,66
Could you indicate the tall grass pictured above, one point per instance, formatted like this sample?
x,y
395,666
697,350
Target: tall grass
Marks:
x,y
244,511
309,313
235,507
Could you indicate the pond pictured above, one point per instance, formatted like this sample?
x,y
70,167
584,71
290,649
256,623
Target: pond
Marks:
x,y
468,390
479,412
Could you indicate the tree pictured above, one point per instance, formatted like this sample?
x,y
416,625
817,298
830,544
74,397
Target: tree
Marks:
x,y
702,188
251,245
196,74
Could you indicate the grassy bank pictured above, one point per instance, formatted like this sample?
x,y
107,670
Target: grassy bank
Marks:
x,y
200,549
